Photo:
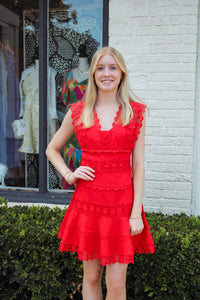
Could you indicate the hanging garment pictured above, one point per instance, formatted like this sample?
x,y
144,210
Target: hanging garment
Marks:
x,y
30,110
72,92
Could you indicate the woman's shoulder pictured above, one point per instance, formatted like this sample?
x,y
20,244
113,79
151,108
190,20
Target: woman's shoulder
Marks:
x,y
138,111
79,105
137,105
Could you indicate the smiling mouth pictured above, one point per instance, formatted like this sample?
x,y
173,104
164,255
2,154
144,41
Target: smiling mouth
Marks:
x,y
107,81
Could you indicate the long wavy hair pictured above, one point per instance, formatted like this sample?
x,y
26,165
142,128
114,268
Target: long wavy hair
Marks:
x,y
124,94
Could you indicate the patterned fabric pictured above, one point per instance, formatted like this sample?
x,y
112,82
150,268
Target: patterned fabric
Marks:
x,y
31,119
96,224
72,92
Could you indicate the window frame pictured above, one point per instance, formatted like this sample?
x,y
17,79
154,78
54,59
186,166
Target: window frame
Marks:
x,y
42,195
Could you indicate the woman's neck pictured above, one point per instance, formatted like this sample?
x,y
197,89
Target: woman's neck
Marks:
x,y
105,98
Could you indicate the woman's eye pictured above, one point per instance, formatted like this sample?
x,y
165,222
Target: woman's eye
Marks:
x,y
99,68
113,68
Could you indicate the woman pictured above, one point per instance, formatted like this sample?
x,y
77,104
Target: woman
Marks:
x,y
105,223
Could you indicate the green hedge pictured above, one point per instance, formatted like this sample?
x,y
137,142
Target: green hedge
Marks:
x,y
31,266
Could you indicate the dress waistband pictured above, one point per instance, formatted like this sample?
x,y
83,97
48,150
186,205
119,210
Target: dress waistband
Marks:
x,y
107,161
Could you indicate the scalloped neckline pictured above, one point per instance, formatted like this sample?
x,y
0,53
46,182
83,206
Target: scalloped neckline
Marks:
x,y
113,123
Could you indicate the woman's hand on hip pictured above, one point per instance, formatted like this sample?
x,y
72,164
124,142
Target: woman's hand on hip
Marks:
x,y
136,225
83,172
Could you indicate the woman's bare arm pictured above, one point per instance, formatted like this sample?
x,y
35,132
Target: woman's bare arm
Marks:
x,y
53,153
136,223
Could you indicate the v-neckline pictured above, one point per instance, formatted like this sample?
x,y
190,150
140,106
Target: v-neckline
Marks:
x,y
113,122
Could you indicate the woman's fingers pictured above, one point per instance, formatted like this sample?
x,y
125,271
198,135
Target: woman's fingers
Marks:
x,y
84,172
136,226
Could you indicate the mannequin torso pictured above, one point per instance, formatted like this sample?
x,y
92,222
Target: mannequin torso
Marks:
x,y
81,72
33,77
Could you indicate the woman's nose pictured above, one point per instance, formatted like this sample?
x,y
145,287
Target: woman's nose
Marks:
x,y
106,71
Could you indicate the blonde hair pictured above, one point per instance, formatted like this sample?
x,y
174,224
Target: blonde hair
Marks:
x,y
125,94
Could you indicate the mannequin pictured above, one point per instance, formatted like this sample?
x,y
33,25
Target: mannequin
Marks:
x,y
34,75
82,71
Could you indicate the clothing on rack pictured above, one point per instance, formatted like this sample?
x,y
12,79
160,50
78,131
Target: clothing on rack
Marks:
x,y
29,93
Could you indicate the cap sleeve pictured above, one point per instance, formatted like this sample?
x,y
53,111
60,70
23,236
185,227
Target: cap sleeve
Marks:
x,y
138,110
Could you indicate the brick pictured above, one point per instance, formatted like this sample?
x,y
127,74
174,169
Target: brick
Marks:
x,y
170,104
167,211
173,10
166,158
171,123
159,193
172,20
163,3
183,39
168,141
173,48
165,132
172,114
175,86
165,95
150,175
170,203
170,77
170,167
181,150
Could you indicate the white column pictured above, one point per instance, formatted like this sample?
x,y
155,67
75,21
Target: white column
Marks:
x,y
195,209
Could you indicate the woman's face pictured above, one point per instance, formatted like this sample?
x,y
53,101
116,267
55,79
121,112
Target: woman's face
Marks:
x,y
107,74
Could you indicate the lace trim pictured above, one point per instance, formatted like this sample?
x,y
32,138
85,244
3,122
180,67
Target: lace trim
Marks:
x,y
106,260
114,123
139,110
133,129
102,210
106,150
105,164
93,186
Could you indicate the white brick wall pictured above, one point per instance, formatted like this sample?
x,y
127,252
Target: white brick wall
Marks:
x,y
158,39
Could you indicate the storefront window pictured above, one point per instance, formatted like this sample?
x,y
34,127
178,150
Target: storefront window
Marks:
x,y
75,33
19,94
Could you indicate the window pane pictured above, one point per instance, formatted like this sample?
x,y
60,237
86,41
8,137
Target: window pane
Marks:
x,y
75,33
19,96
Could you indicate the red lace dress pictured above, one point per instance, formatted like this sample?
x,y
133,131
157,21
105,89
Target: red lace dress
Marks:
x,y
96,223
